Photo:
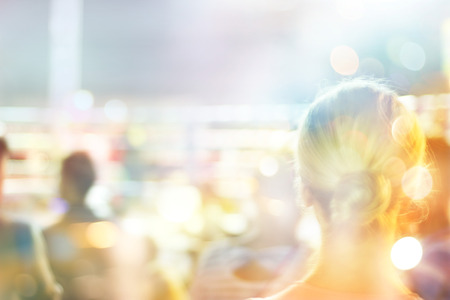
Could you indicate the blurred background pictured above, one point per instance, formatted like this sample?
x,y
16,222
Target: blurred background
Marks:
x,y
189,108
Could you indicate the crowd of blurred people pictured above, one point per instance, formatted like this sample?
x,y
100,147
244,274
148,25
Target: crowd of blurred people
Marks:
x,y
83,256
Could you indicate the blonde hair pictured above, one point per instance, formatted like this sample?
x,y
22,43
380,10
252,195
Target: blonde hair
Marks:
x,y
350,146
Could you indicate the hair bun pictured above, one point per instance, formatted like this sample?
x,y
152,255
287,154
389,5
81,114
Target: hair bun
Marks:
x,y
360,197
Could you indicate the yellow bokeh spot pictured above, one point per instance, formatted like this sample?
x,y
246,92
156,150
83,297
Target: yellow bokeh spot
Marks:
x,y
406,253
417,183
137,135
178,203
102,234
344,60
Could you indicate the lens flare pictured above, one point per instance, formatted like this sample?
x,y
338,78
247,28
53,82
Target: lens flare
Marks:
x,y
406,253
417,183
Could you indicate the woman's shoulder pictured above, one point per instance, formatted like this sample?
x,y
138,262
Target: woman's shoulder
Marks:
x,y
300,290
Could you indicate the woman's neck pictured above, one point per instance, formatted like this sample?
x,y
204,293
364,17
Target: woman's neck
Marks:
x,y
356,265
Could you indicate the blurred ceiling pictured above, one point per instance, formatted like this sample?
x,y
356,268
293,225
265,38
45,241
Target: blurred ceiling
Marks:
x,y
211,52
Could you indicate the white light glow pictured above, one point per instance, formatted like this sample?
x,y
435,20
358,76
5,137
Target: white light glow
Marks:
x,y
406,253
178,203
308,230
268,166
134,226
234,224
344,60
350,9
83,100
409,101
98,199
417,183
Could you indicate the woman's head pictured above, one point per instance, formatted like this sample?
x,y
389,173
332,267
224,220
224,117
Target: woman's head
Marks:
x,y
354,145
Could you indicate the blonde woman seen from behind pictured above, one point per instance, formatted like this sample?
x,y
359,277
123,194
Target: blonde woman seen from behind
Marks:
x,y
354,145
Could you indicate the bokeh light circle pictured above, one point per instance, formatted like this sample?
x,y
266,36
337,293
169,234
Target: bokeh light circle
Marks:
x,y
178,203
83,100
406,253
412,56
268,166
417,183
344,60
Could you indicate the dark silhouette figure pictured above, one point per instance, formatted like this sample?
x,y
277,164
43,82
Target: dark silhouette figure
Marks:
x,y
24,269
80,264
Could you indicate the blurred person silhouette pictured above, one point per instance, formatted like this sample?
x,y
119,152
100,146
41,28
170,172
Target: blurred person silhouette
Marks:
x,y
350,147
94,258
76,244
24,269
431,277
